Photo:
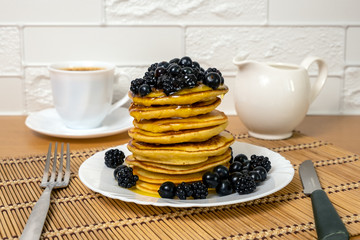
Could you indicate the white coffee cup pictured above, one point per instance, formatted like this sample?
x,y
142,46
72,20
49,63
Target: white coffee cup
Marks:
x,y
83,92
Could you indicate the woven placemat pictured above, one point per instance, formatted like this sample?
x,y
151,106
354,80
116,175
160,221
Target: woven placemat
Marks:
x,y
76,212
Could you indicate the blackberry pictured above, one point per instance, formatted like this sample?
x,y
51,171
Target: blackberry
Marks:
x,y
183,190
200,190
176,75
190,80
124,176
167,190
260,161
135,84
153,67
245,185
114,158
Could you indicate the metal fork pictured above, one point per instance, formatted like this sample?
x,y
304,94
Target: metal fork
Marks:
x,y
35,223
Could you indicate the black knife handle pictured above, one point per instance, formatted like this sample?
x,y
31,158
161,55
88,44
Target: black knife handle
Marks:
x,y
327,221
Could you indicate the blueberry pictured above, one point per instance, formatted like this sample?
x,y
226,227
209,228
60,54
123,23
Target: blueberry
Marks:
x,y
175,60
240,158
235,167
262,171
174,69
211,179
185,62
222,171
195,65
256,176
224,188
246,165
167,190
163,64
235,176
212,80
160,71
144,89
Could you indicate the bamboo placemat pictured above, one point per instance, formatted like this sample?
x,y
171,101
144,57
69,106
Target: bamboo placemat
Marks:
x,y
76,212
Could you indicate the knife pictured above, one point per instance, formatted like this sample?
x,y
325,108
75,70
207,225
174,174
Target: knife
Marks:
x,y
327,221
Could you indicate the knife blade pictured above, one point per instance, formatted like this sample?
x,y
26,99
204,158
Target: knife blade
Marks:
x,y
328,223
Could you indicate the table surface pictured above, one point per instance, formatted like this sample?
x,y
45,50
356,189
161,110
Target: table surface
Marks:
x,y
17,139
342,131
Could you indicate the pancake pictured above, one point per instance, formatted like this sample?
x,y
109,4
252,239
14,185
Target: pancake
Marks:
x,y
173,160
148,187
184,96
169,111
215,146
159,178
180,169
212,118
191,135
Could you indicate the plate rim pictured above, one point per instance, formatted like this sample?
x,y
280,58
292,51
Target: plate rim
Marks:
x,y
162,202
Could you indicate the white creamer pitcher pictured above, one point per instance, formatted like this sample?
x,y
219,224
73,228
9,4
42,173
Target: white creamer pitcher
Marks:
x,y
272,99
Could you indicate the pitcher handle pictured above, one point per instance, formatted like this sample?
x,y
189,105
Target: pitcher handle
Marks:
x,y
320,81
124,99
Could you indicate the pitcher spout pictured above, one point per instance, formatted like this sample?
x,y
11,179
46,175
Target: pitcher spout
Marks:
x,y
240,59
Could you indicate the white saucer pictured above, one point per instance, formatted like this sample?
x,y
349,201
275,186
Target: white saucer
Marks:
x,y
49,123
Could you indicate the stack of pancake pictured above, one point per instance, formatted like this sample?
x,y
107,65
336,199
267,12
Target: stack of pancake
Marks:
x,y
177,138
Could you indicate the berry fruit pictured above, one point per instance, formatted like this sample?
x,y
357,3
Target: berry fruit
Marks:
x,y
262,171
211,179
212,80
114,157
200,190
185,62
224,188
256,176
222,171
124,176
167,190
240,158
234,177
245,185
144,89
235,167
183,190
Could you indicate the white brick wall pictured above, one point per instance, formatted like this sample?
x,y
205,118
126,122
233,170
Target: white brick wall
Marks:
x,y
134,33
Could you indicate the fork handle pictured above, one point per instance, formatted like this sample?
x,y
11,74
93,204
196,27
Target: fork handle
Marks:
x,y
35,223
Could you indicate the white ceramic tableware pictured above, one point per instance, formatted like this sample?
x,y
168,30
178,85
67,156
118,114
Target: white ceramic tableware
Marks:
x,y
83,92
272,99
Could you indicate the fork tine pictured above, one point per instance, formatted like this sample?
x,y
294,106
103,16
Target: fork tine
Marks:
x,y
47,166
60,171
67,170
53,172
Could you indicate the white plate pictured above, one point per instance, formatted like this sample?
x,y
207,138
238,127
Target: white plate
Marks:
x,y
99,178
49,123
